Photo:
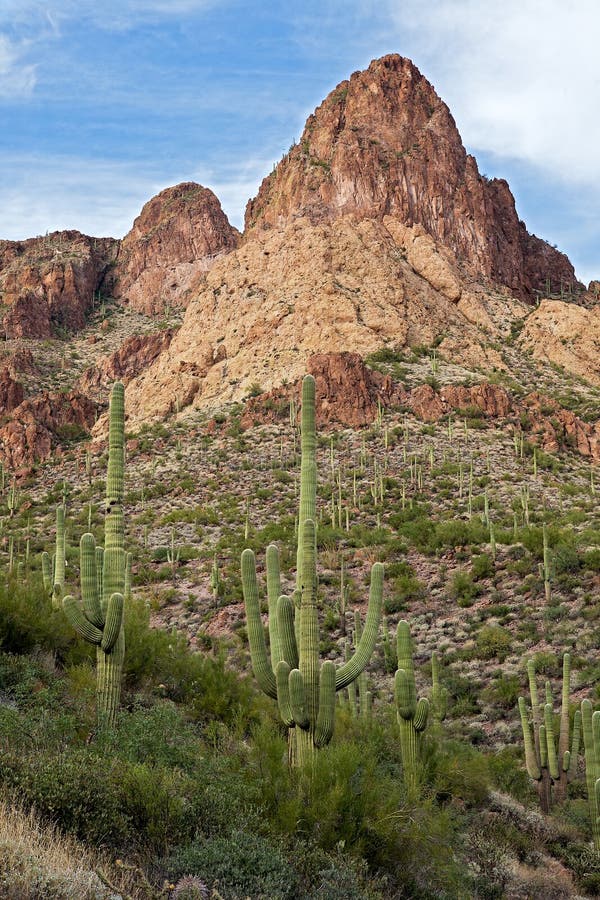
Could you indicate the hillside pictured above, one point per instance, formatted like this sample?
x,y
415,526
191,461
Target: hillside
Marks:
x,y
458,444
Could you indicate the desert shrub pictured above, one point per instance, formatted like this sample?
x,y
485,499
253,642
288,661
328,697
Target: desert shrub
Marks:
x,y
482,567
493,642
158,657
27,620
463,589
591,560
240,864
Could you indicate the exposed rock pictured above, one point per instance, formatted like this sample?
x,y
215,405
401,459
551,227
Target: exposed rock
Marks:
x,y
49,282
20,361
347,393
11,392
567,335
132,357
173,242
288,294
384,144
350,394
492,399
555,428
41,423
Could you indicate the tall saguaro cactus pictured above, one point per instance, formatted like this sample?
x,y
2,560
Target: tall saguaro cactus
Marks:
x,y
291,671
546,764
53,569
412,713
591,741
102,576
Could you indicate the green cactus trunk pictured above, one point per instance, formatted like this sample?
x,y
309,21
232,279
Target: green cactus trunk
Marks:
x,y
412,714
591,742
291,672
58,585
103,578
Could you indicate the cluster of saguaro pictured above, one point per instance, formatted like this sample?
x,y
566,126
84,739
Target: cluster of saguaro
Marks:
x,y
53,569
551,767
292,672
412,713
103,577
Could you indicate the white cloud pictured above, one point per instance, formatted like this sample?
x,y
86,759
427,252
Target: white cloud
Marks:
x,y
17,78
102,198
522,79
97,197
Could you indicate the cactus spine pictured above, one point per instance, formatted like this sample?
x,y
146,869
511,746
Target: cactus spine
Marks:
x,y
591,742
100,621
412,714
292,672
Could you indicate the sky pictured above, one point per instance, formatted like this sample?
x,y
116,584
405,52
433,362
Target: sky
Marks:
x,y
104,103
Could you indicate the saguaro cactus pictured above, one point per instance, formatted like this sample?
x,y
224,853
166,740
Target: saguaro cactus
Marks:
x,y
102,576
546,765
58,583
291,672
412,713
591,741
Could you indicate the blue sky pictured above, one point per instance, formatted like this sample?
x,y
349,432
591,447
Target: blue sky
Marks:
x,y
104,103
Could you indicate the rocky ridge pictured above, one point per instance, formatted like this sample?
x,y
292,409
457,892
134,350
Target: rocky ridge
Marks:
x,y
384,144
172,244
50,282
352,395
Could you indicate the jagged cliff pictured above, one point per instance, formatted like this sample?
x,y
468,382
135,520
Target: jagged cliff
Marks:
x,y
384,144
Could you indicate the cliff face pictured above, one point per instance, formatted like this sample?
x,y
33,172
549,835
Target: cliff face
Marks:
x,y
384,144
173,242
49,282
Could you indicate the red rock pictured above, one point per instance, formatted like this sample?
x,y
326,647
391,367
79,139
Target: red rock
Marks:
x,y
38,425
132,357
491,399
173,242
384,144
11,392
49,283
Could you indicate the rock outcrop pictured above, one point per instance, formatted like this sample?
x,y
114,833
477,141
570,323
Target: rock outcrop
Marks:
x,y
49,283
40,424
384,144
173,243
351,394
11,392
134,356
290,293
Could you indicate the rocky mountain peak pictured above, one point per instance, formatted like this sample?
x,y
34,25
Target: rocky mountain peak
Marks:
x,y
384,144
172,244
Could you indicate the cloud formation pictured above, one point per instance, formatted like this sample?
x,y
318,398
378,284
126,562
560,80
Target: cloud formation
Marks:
x,y
17,78
522,80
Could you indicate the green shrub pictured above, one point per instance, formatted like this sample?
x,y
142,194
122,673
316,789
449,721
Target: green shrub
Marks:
x,y
493,642
482,567
240,865
463,589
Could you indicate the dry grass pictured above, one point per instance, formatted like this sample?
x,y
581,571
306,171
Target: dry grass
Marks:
x,y
37,862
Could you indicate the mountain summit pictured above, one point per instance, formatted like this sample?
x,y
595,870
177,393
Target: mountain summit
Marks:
x,y
384,144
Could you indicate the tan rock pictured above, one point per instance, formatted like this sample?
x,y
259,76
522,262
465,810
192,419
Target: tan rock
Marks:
x,y
567,335
286,295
